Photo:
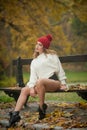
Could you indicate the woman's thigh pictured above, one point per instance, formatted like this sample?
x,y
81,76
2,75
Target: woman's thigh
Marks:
x,y
51,85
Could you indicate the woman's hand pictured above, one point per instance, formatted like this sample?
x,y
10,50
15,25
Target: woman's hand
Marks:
x,y
64,87
32,92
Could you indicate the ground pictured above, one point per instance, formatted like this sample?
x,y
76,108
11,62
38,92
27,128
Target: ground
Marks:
x,y
60,115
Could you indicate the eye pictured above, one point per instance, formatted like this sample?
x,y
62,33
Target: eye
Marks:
x,y
40,44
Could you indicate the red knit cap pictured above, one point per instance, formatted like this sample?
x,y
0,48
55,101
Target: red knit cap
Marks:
x,y
45,40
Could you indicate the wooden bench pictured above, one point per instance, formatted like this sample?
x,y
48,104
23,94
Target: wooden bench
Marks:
x,y
19,63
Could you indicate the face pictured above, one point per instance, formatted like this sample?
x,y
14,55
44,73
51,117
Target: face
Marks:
x,y
39,47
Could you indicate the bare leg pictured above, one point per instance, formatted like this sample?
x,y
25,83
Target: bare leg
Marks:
x,y
45,85
42,86
22,98
14,116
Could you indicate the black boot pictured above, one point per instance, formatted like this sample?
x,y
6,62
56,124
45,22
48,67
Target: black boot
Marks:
x,y
42,112
14,117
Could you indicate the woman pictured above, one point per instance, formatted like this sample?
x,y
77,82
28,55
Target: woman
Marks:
x,y
46,74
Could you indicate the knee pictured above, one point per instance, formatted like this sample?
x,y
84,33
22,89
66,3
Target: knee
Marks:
x,y
25,91
40,83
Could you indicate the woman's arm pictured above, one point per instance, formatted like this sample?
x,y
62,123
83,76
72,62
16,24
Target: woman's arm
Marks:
x,y
33,76
61,73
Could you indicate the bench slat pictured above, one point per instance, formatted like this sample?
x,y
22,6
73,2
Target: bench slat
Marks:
x,y
63,59
19,89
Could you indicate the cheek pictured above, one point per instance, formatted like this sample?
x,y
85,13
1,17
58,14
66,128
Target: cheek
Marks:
x,y
41,48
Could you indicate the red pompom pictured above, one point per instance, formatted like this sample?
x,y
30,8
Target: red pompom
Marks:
x,y
49,36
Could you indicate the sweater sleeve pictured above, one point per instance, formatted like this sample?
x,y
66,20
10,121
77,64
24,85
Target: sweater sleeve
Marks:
x,y
33,76
61,74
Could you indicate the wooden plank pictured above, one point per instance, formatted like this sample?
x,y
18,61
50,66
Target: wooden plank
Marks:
x,y
23,61
17,89
10,89
63,59
74,58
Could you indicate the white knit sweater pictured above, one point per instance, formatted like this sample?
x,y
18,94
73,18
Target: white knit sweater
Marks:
x,y
44,66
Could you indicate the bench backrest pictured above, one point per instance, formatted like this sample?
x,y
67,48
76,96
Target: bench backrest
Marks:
x,y
19,62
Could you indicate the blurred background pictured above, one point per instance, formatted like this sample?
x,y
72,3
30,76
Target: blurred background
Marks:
x,y
23,21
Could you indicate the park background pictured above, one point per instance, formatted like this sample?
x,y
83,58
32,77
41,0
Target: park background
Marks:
x,y
23,21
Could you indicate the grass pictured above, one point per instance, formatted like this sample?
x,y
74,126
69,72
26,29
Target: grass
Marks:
x,y
59,97
5,98
73,76
64,97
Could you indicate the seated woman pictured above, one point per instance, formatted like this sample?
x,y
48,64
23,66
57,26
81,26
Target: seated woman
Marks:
x,y
46,74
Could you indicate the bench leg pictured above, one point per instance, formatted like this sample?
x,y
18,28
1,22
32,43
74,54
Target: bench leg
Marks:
x,y
15,95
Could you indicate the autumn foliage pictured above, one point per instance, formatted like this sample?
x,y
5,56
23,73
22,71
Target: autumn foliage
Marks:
x,y
23,21
65,115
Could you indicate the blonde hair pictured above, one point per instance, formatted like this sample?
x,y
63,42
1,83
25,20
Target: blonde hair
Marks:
x,y
46,51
